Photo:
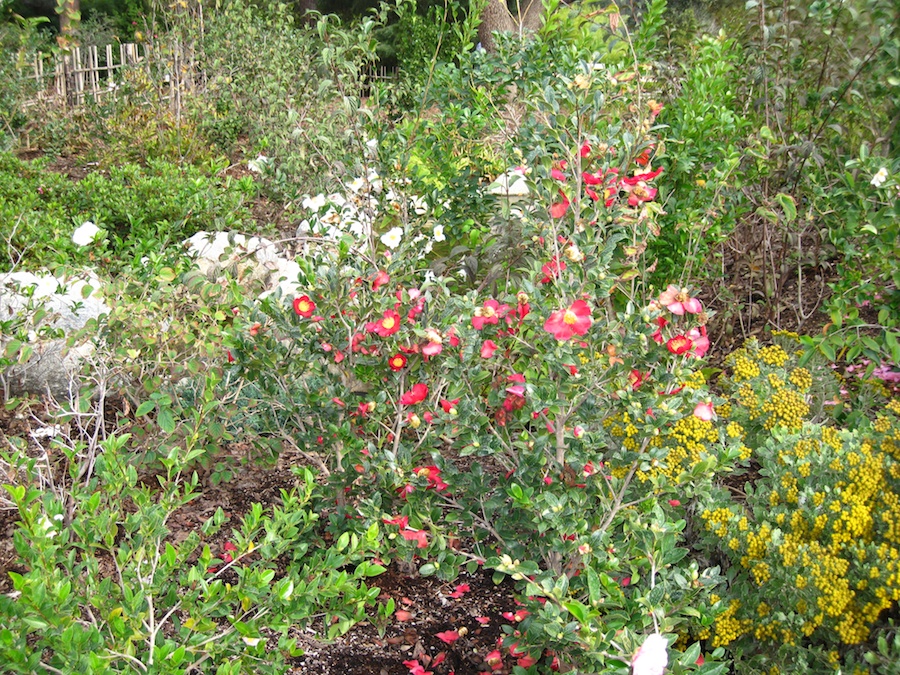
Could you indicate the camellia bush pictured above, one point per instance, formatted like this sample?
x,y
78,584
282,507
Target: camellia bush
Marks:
x,y
552,425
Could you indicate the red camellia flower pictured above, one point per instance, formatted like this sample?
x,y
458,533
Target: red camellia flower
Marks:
x,y
490,312
680,344
494,659
558,209
380,280
397,362
402,521
433,475
418,536
388,324
448,405
574,320
552,269
488,349
415,395
304,307
636,378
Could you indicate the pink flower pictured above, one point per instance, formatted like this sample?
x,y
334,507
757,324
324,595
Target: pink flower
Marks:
x,y
415,395
705,411
490,312
448,636
460,591
678,301
556,174
415,668
432,348
488,349
652,657
517,390
585,150
565,323
701,342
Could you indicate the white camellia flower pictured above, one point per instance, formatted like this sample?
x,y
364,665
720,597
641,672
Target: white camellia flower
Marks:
x,y
438,233
879,178
392,238
314,203
652,657
259,164
86,233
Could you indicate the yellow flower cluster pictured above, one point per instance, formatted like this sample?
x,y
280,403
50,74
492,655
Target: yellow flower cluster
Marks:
x,y
744,368
773,355
728,627
786,409
801,378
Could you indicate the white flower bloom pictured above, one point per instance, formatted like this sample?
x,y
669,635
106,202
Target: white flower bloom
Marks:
x,y
259,164
879,178
392,239
86,234
356,185
314,203
420,206
438,233
372,145
251,642
651,658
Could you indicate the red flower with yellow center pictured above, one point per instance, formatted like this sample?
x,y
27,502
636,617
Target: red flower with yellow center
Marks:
x,y
397,362
304,307
574,320
388,324
680,344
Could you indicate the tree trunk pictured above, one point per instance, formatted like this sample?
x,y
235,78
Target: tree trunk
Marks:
x,y
525,16
495,18
304,7
69,18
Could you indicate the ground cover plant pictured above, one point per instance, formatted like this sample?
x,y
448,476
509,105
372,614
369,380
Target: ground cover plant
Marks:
x,y
496,422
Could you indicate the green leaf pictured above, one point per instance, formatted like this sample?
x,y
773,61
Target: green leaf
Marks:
x,y
576,609
166,421
428,569
144,408
788,206
167,274
691,655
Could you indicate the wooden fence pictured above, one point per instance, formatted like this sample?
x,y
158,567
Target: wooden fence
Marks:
x,y
91,74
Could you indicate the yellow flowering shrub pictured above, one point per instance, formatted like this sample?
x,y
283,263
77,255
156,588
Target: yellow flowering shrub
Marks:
x,y
815,548
812,541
